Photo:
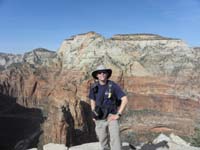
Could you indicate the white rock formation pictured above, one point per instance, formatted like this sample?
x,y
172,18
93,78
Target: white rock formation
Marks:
x,y
53,146
174,142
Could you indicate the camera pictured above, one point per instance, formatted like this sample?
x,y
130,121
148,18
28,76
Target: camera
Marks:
x,y
100,113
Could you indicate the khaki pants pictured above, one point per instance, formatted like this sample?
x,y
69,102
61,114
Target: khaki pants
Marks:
x,y
108,134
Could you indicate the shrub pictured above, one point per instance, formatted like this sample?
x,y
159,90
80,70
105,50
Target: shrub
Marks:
x,y
195,140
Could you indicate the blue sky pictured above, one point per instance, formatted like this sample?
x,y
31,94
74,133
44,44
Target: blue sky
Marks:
x,y
29,24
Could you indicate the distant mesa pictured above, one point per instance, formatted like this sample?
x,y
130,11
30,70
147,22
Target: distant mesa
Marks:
x,y
140,36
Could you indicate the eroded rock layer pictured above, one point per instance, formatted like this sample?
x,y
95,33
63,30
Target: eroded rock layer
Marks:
x,y
160,76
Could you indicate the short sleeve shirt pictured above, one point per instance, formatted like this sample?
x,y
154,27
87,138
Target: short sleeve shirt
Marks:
x,y
104,90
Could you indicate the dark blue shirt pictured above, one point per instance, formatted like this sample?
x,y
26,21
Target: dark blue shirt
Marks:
x,y
104,90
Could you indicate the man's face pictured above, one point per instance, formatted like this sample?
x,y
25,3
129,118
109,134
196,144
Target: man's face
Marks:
x,y
102,75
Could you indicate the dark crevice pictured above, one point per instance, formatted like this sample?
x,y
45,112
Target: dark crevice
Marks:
x,y
34,88
20,127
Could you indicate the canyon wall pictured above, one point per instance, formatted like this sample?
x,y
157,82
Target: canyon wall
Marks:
x,y
160,76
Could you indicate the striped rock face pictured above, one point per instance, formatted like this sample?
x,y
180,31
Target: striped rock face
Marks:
x,y
160,76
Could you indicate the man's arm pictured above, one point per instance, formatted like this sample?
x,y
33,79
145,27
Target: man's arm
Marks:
x,y
122,107
93,104
124,100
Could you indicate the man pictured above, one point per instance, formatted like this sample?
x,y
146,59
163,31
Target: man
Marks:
x,y
105,96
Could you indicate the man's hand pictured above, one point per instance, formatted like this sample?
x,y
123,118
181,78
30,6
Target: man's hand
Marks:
x,y
113,117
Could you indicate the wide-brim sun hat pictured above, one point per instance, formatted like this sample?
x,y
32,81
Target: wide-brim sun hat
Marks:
x,y
101,68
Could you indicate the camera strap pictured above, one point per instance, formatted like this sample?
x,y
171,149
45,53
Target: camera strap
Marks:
x,y
96,90
101,99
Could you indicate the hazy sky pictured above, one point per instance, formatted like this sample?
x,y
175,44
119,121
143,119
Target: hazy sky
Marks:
x,y
29,24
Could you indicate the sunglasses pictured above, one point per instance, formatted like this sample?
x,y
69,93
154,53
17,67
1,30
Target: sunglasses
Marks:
x,y
100,72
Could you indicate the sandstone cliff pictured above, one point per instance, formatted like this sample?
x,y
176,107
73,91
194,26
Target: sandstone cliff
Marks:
x,y
160,76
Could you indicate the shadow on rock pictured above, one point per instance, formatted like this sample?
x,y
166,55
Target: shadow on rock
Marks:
x,y
83,134
151,146
20,126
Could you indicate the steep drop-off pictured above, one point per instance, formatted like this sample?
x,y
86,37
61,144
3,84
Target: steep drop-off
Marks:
x,y
160,76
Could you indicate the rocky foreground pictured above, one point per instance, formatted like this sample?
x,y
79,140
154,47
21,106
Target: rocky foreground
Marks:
x,y
162,142
47,91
